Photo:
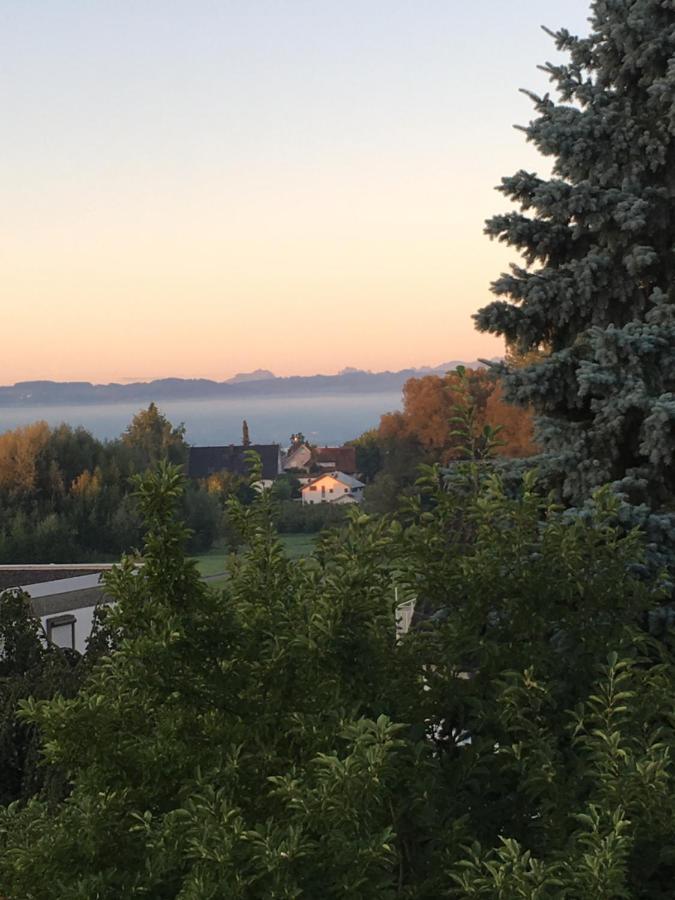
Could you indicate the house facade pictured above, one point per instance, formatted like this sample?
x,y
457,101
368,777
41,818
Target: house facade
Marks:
x,y
333,487
63,597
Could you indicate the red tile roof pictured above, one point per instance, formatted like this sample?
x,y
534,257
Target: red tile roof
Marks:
x,y
344,458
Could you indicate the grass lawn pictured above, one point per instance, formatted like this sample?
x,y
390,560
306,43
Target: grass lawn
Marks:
x,y
218,583
297,546
212,562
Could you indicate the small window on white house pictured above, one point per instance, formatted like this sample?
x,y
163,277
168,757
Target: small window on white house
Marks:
x,y
346,490
61,631
312,487
330,491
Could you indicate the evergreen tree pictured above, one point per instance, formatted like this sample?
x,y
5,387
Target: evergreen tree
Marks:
x,y
245,436
597,291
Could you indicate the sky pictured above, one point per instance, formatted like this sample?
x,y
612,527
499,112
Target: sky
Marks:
x,y
203,187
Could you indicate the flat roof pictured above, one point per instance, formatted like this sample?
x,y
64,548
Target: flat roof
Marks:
x,y
62,586
55,567
54,604
19,575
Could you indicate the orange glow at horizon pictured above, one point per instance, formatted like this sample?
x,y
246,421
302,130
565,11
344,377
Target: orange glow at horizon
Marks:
x,y
202,189
208,285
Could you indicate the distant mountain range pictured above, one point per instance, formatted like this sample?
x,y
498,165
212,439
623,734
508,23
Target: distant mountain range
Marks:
x,y
260,383
257,375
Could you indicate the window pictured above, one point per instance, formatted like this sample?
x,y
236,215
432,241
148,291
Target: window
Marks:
x,y
346,490
61,631
330,491
312,487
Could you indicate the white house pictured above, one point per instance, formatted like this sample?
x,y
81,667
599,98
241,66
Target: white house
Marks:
x,y
64,605
333,487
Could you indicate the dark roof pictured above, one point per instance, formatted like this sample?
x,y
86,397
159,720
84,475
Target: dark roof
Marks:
x,y
205,461
59,603
15,576
344,458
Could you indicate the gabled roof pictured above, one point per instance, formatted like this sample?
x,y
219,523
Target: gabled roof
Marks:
x,y
205,461
344,458
348,480
343,499
297,457
343,478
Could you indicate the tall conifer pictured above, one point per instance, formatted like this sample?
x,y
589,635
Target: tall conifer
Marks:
x,y
596,290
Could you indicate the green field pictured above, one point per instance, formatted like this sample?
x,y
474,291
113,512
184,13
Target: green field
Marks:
x,y
298,546
214,561
217,583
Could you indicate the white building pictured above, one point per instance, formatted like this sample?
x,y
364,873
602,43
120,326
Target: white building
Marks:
x,y
333,487
65,606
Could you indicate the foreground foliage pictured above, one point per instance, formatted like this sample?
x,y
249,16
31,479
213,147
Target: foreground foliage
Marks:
x,y
276,740
28,668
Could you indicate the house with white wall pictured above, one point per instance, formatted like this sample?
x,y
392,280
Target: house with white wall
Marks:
x,y
333,487
64,605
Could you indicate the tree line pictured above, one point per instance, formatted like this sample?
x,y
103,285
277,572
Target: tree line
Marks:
x,y
426,432
67,497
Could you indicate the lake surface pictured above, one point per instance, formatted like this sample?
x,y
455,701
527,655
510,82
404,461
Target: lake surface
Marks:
x,y
329,420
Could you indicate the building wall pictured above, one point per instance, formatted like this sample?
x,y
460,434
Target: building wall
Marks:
x,y
298,458
82,625
66,608
324,490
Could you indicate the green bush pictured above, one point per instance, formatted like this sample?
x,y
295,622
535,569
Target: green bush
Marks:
x,y
293,517
276,740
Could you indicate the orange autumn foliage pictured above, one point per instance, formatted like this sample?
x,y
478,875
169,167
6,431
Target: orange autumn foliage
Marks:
x,y
19,452
430,403
517,425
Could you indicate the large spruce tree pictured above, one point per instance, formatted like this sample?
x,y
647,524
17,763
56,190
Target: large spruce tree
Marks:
x,y
596,292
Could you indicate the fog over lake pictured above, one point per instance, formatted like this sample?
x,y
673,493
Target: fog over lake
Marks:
x,y
329,419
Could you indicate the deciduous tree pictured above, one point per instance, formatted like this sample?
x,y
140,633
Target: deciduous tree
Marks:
x,y
276,740
154,438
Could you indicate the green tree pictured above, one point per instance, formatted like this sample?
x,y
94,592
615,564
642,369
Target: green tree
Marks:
x,y
29,667
369,454
202,514
65,496
276,740
154,438
596,291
